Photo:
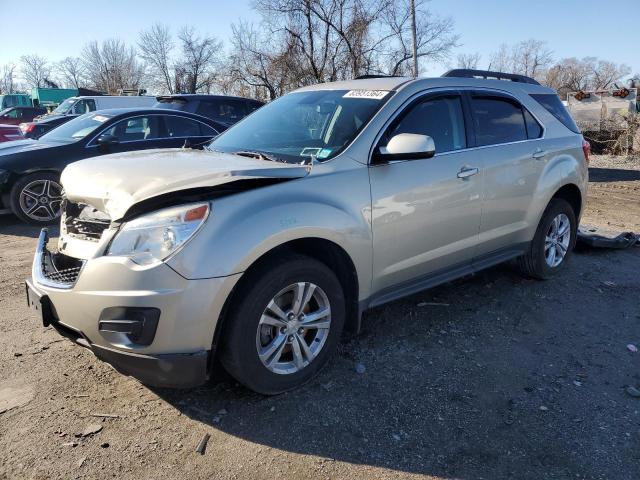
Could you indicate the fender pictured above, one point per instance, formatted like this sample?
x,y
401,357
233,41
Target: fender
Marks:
x,y
245,226
560,170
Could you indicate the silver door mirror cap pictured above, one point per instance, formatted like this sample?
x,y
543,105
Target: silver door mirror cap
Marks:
x,y
406,146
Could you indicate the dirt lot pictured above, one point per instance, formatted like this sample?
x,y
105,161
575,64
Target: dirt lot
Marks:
x,y
492,376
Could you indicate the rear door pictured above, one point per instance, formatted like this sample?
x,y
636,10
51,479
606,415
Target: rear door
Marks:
x,y
510,144
426,213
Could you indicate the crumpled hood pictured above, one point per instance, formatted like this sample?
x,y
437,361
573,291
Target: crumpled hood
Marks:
x,y
113,183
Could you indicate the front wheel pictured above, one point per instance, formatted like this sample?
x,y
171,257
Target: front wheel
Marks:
x,y
285,326
37,198
553,242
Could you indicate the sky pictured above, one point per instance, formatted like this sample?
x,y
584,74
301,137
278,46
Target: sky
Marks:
x,y
572,28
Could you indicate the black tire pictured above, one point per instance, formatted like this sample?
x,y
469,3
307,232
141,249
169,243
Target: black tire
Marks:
x,y
239,353
18,208
533,263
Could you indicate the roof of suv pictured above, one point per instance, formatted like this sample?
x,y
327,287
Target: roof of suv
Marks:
x,y
396,83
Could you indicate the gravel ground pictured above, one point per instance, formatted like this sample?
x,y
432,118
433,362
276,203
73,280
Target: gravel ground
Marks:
x,y
491,376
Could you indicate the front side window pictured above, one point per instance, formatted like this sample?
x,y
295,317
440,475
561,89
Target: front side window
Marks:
x,y
442,119
136,129
300,125
497,120
76,129
64,107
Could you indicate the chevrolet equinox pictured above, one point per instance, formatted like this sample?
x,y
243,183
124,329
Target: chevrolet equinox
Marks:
x,y
262,248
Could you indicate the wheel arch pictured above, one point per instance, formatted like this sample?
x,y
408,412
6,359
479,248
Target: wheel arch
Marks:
x,y
321,249
572,195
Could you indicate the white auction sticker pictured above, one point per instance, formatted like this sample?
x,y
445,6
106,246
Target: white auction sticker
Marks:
x,y
373,94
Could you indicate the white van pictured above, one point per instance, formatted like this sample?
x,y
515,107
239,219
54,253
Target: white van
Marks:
x,y
81,105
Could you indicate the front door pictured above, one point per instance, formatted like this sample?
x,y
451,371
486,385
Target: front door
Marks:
x,y
426,213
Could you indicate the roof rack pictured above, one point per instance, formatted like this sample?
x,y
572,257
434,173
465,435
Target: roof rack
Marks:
x,y
488,75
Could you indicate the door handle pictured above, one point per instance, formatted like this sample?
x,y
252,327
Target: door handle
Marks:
x,y
538,154
467,172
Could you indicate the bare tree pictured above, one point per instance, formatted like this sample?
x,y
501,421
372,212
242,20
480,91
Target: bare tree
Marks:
x,y
201,56
300,42
589,73
468,60
257,63
435,37
529,57
7,78
72,72
155,46
35,69
112,66
501,60
606,73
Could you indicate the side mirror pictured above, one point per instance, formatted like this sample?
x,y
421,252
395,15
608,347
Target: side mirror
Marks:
x,y
107,140
406,146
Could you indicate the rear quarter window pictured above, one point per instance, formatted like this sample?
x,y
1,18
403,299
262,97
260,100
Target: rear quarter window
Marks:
x,y
552,103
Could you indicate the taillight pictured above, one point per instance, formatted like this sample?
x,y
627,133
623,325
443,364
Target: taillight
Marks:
x,y
586,149
27,127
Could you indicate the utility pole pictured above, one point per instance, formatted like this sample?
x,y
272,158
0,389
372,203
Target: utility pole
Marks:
x,y
412,6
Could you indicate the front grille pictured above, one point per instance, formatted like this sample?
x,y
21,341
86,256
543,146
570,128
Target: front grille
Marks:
x,y
84,222
60,269
68,275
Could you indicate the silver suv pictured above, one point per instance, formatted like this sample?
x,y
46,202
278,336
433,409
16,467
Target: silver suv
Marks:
x,y
328,201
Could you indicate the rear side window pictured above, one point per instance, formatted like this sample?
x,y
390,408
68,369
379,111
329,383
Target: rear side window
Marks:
x,y
440,118
225,110
554,106
182,127
497,120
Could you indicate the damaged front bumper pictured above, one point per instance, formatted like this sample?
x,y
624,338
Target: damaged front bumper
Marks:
x,y
147,322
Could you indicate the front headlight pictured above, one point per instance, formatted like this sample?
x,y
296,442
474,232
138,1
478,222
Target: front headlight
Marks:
x,y
154,237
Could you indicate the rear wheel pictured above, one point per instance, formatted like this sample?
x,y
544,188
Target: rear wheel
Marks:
x,y
553,242
286,325
37,198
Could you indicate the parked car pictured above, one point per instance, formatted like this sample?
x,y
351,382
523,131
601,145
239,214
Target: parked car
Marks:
x,y
30,169
75,106
18,115
224,109
45,123
328,201
9,133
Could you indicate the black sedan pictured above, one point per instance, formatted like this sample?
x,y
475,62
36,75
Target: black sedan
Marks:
x,y
30,169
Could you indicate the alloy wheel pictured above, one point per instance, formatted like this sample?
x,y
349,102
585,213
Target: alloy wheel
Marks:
x,y
293,328
41,200
556,242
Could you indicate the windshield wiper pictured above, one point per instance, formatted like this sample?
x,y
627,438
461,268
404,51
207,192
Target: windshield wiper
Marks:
x,y
258,155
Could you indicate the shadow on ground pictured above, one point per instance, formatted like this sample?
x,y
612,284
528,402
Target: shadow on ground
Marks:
x,y
10,225
502,377
613,175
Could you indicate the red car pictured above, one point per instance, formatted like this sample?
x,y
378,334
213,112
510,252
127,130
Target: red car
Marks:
x,y
10,132
18,115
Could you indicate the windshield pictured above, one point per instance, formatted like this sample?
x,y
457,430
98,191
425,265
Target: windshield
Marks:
x,y
64,107
304,124
76,129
